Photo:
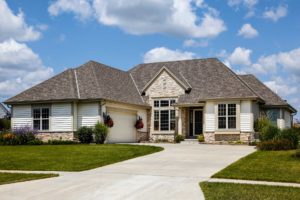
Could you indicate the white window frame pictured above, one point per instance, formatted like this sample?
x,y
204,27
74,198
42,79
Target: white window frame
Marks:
x,y
159,109
227,116
41,118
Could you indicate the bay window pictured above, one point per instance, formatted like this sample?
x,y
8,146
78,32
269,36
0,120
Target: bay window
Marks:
x,y
41,118
164,115
227,116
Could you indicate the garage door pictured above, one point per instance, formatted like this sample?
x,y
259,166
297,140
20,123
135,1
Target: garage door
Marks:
x,y
123,129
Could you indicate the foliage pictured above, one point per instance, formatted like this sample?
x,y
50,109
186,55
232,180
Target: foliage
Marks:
x,y
139,123
275,145
8,139
25,134
260,123
35,142
201,138
101,132
179,138
291,135
108,121
268,132
297,153
58,142
4,124
85,134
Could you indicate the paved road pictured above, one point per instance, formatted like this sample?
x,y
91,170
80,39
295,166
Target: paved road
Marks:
x,y
171,174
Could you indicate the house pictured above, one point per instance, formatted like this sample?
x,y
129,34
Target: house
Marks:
x,y
4,112
190,97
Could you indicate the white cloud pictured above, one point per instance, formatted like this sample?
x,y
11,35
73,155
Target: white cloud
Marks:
x,y
247,31
20,68
240,56
279,86
14,26
275,14
81,8
248,4
195,43
164,54
173,17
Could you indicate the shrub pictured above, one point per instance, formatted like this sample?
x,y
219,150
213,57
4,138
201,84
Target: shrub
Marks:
x,y
58,142
260,123
9,139
4,124
85,134
297,153
35,142
101,132
274,145
179,138
25,134
291,135
268,133
201,138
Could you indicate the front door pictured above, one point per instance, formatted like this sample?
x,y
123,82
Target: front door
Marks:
x,y
197,122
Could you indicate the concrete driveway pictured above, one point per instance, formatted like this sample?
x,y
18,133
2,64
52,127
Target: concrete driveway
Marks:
x,y
171,174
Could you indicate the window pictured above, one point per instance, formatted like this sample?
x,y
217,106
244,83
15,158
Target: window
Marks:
x,y
41,118
227,116
164,115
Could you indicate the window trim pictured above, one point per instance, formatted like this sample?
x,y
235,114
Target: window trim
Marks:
x,y
159,109
227,116
40,107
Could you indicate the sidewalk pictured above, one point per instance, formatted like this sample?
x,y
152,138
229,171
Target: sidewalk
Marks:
x,y
220,180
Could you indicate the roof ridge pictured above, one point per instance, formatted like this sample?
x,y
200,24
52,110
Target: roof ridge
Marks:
x,y
136,87
76,83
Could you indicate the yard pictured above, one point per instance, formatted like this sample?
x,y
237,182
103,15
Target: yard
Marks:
x,y
278,166
6,178
214,191
68,157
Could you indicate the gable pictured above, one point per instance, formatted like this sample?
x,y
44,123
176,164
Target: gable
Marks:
x,y
164,85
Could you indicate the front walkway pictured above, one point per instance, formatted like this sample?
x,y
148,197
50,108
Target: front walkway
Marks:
x,y
174,173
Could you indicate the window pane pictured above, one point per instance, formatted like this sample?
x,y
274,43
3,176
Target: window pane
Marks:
x,y
164,103
156,125
172,117
231,109
156,103
222,122
45,124
172,102
164,120
172,125
36,113
232,122
222,109
36,124
156,115
45,113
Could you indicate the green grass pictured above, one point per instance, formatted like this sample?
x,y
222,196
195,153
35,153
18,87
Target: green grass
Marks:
x,y
264,165
232,191
68,157
6,178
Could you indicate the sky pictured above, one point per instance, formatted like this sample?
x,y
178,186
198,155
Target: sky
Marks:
x,y
39,39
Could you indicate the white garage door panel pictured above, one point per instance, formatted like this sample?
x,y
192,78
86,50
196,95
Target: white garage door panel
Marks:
x,y
123,129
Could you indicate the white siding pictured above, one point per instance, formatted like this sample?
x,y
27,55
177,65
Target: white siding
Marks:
x,y
209,117
61,117
246,116
21,116
88,114
280,123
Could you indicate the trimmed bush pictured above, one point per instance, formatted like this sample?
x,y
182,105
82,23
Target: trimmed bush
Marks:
x,y
179,138
260,123
101,132
85,134
35,142
58,142
275,145
291,135
201,138
269,133
9,139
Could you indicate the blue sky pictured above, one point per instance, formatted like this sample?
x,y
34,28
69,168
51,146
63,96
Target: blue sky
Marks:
x,y
39,39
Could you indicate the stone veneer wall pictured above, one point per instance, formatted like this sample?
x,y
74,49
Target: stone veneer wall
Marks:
x,y
209,137
247,137
55,136
142,136
162,138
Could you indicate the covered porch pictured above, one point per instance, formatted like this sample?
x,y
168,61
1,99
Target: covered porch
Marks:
x,y
190,120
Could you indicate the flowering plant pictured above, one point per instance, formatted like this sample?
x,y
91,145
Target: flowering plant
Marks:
x,y
139,123
108,121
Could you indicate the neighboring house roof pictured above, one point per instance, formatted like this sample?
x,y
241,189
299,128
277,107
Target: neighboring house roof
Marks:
x,y
4,112
203,79
270,97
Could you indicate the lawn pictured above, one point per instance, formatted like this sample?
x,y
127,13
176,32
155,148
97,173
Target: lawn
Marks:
x,y
264,165
6,178
68,157
214,191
